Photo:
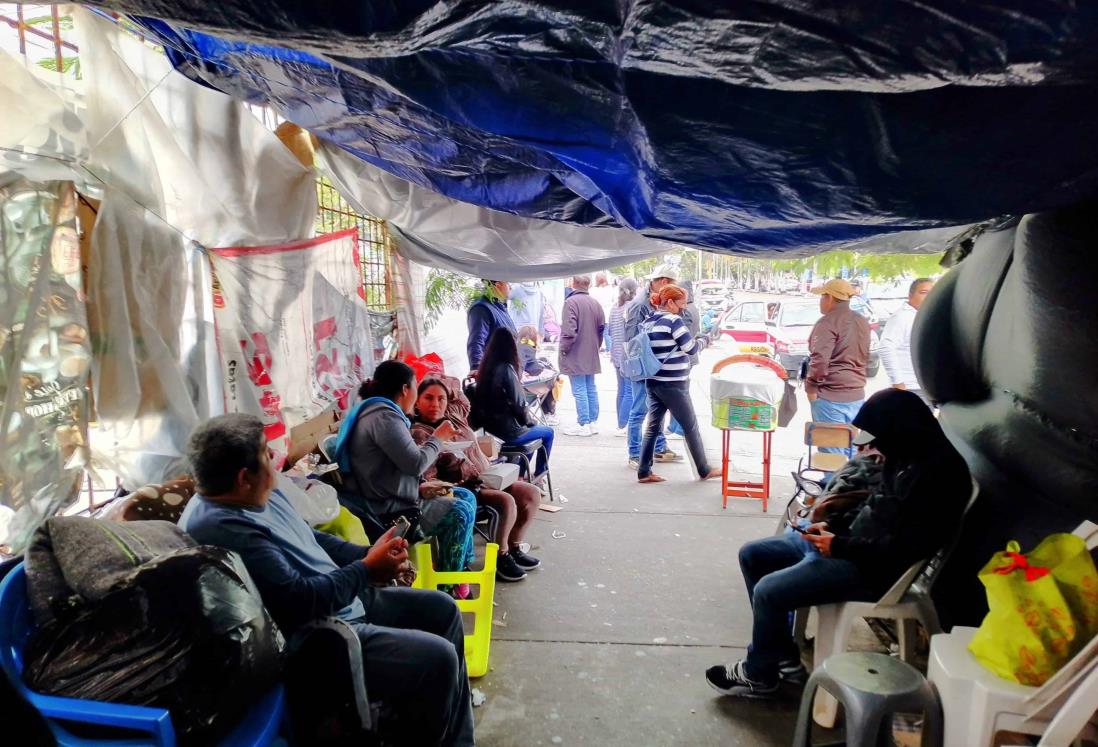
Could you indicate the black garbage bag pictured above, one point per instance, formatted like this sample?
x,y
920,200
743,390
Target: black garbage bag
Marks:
x,y
186,632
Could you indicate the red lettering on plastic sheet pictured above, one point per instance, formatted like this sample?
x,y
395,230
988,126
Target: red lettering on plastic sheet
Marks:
x,y
260,363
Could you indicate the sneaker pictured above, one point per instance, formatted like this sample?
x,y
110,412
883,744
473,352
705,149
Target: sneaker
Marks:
x,y
634,464
734,681
550,420
594,428
792,671
668,456
507,569
577,430
524,561
621,432
673,436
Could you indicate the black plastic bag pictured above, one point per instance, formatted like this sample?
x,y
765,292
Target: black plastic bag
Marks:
x,y
186,632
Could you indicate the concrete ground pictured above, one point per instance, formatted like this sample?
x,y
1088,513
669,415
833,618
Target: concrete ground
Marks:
x,y
639,592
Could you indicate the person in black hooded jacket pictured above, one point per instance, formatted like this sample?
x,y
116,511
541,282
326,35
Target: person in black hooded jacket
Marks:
x,y
855,556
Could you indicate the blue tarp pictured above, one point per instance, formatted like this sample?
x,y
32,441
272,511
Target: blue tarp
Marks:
x,y
744,127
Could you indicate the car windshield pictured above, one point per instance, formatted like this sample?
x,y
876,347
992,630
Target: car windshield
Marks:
x,y
801,315
712,290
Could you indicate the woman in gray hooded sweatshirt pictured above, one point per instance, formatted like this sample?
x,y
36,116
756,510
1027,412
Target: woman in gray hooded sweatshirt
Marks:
x,y
382,465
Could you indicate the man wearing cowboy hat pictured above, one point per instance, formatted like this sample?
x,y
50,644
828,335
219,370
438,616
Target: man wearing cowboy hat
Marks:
x,y
838,351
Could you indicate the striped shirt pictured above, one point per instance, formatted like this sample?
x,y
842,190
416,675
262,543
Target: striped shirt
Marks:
x,y
673,345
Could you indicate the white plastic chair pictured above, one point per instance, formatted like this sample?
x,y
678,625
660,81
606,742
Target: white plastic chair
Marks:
x,y
907,603
978,703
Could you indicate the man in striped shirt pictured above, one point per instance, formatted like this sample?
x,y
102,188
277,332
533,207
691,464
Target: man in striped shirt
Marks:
x,y
669,389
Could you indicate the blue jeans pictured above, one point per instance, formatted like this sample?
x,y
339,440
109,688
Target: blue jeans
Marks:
x,y
624,400
587,398
783,574
673,397
545,433
675,427
636,420
826,411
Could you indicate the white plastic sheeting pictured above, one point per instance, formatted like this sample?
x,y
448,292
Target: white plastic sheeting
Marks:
x,y
435,230
294,334
178,166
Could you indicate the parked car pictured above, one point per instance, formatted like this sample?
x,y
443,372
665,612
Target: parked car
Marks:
x,y
712,294
865,307
780,330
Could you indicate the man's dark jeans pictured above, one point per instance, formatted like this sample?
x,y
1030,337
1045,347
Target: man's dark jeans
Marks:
x,y
673,397
782,574
413,649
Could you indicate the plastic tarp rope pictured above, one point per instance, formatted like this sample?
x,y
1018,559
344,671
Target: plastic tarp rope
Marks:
x,y
769,126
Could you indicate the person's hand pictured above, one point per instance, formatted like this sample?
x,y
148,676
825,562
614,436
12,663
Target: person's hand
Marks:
x,y
434,489
816,528
821,540
386,556
899,386
810,392
446,431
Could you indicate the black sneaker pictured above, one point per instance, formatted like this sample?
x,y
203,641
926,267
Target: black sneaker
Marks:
x,y
733,680
525,562
507,569
792,671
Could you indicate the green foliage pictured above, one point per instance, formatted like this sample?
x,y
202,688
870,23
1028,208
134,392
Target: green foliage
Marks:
x,y
68,64
448,290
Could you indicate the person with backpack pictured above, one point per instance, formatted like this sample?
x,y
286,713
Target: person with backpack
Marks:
x,y
635,313
671,344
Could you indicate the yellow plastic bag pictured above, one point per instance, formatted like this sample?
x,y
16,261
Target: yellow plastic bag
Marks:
x,y
1043,608
346,526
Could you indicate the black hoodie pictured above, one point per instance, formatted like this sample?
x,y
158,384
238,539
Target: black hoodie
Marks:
x,y
923,493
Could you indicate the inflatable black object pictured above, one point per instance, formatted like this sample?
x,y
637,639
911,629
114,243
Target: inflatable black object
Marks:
x,y
1008,344
186,631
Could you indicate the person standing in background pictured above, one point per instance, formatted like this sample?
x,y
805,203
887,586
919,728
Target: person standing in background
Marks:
x,y
604,293
487,314
692,319
580,338
525,306
627,290
838,357
896,341
636,313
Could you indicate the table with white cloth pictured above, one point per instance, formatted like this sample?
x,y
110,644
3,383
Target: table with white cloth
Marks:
x,y
745,393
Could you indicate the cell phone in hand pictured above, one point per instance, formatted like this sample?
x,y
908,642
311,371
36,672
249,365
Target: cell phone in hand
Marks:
x,y
796,528
402,526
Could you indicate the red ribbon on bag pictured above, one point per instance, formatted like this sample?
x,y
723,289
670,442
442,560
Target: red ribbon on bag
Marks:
x,y
1018,562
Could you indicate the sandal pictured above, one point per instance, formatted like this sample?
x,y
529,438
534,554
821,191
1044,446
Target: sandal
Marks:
x,y
651,479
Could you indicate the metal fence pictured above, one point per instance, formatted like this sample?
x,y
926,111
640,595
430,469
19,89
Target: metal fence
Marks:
x,y
335,214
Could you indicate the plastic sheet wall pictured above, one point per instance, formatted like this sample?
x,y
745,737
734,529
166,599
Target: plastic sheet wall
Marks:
x,y
44,355
177,166
770,126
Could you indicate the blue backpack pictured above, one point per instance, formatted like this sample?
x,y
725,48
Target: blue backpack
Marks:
x,y
638,361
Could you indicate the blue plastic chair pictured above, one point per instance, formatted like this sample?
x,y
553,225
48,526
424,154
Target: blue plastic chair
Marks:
x,y
259,727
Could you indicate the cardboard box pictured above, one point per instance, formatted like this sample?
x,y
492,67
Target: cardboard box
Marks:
x,y
489,446
305,436
500,476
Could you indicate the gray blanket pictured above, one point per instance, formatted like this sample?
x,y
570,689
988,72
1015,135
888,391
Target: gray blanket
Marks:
x,y
73,559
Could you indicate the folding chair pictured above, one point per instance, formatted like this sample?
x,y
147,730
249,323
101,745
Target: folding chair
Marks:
x,y
828,435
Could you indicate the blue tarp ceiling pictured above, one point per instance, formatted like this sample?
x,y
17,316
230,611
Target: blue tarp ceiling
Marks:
x,y
753,126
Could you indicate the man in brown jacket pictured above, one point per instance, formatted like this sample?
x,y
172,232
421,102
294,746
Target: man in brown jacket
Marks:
x,y
580,338
838,355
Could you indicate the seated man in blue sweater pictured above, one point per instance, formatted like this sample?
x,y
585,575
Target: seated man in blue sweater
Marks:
x,y
412,640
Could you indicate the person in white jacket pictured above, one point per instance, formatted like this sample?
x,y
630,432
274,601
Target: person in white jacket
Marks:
x,y
896,340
